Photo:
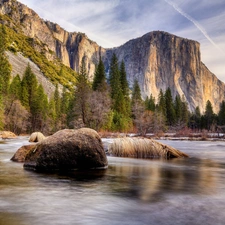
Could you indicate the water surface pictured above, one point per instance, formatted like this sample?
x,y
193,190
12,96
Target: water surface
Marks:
x,y
130,191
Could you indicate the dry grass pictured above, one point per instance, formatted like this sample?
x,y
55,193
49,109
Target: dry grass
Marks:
x,y
107,134
185,132
143,148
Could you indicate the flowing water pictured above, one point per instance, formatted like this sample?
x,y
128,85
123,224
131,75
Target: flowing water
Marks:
x,y
130,191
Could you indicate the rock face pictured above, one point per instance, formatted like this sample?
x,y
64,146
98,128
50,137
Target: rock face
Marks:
x,y
67,150
158,60
19,65
70,47
21,153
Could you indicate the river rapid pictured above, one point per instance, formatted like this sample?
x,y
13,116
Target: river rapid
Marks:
x,y
130,191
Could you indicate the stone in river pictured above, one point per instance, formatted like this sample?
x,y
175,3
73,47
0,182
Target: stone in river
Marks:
x,y
67,150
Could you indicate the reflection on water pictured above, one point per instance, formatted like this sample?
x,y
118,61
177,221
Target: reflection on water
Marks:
x,y
130,191
151,180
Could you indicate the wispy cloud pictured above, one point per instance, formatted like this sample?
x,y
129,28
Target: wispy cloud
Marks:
x,y
179,10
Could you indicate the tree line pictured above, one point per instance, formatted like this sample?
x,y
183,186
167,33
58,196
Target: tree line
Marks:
x,y
107,103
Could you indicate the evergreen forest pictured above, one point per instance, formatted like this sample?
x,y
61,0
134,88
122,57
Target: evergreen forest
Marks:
x,y
106,104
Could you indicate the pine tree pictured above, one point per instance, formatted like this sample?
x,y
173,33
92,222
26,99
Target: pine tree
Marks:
x,y
146,103
5,67
24,98
150,103
29,87
114,77
137,103
120,104
14,94
42,102
120,96
65,107
197,112
178,108
161,106
136,93
221,114
99,82
82,93
123,80
39,109
125,90
71,113
82,75
57,102
209,115
195,119
170,112
15,87
184,112
52,114
65,101
1,107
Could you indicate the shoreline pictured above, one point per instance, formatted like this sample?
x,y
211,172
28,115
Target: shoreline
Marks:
x,y
165,136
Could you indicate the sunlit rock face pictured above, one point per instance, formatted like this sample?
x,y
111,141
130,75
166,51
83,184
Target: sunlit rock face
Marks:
x,y
69,47
158,60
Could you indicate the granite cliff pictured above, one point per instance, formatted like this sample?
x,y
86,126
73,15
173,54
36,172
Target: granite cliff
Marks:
x,y
70,47
158,60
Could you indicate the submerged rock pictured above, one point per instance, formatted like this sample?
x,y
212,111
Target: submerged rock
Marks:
x,y
68,150
21,153
7,135
143,148
36,137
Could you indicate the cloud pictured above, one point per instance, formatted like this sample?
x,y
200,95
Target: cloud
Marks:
x,y
179,10
207,29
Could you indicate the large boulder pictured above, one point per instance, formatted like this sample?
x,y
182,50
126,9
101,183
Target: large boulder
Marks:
x,y
68,150
21,153
36,137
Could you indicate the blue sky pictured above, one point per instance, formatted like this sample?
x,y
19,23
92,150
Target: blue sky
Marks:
x,y
113,22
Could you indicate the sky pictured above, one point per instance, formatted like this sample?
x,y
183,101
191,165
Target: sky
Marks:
x,y
111,23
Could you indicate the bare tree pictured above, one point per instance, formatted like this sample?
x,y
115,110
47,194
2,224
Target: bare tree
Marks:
x,y
144,123
17,119
159,122
148,121
99,107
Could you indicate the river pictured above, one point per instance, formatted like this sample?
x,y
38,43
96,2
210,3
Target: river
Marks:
x,y
131,191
